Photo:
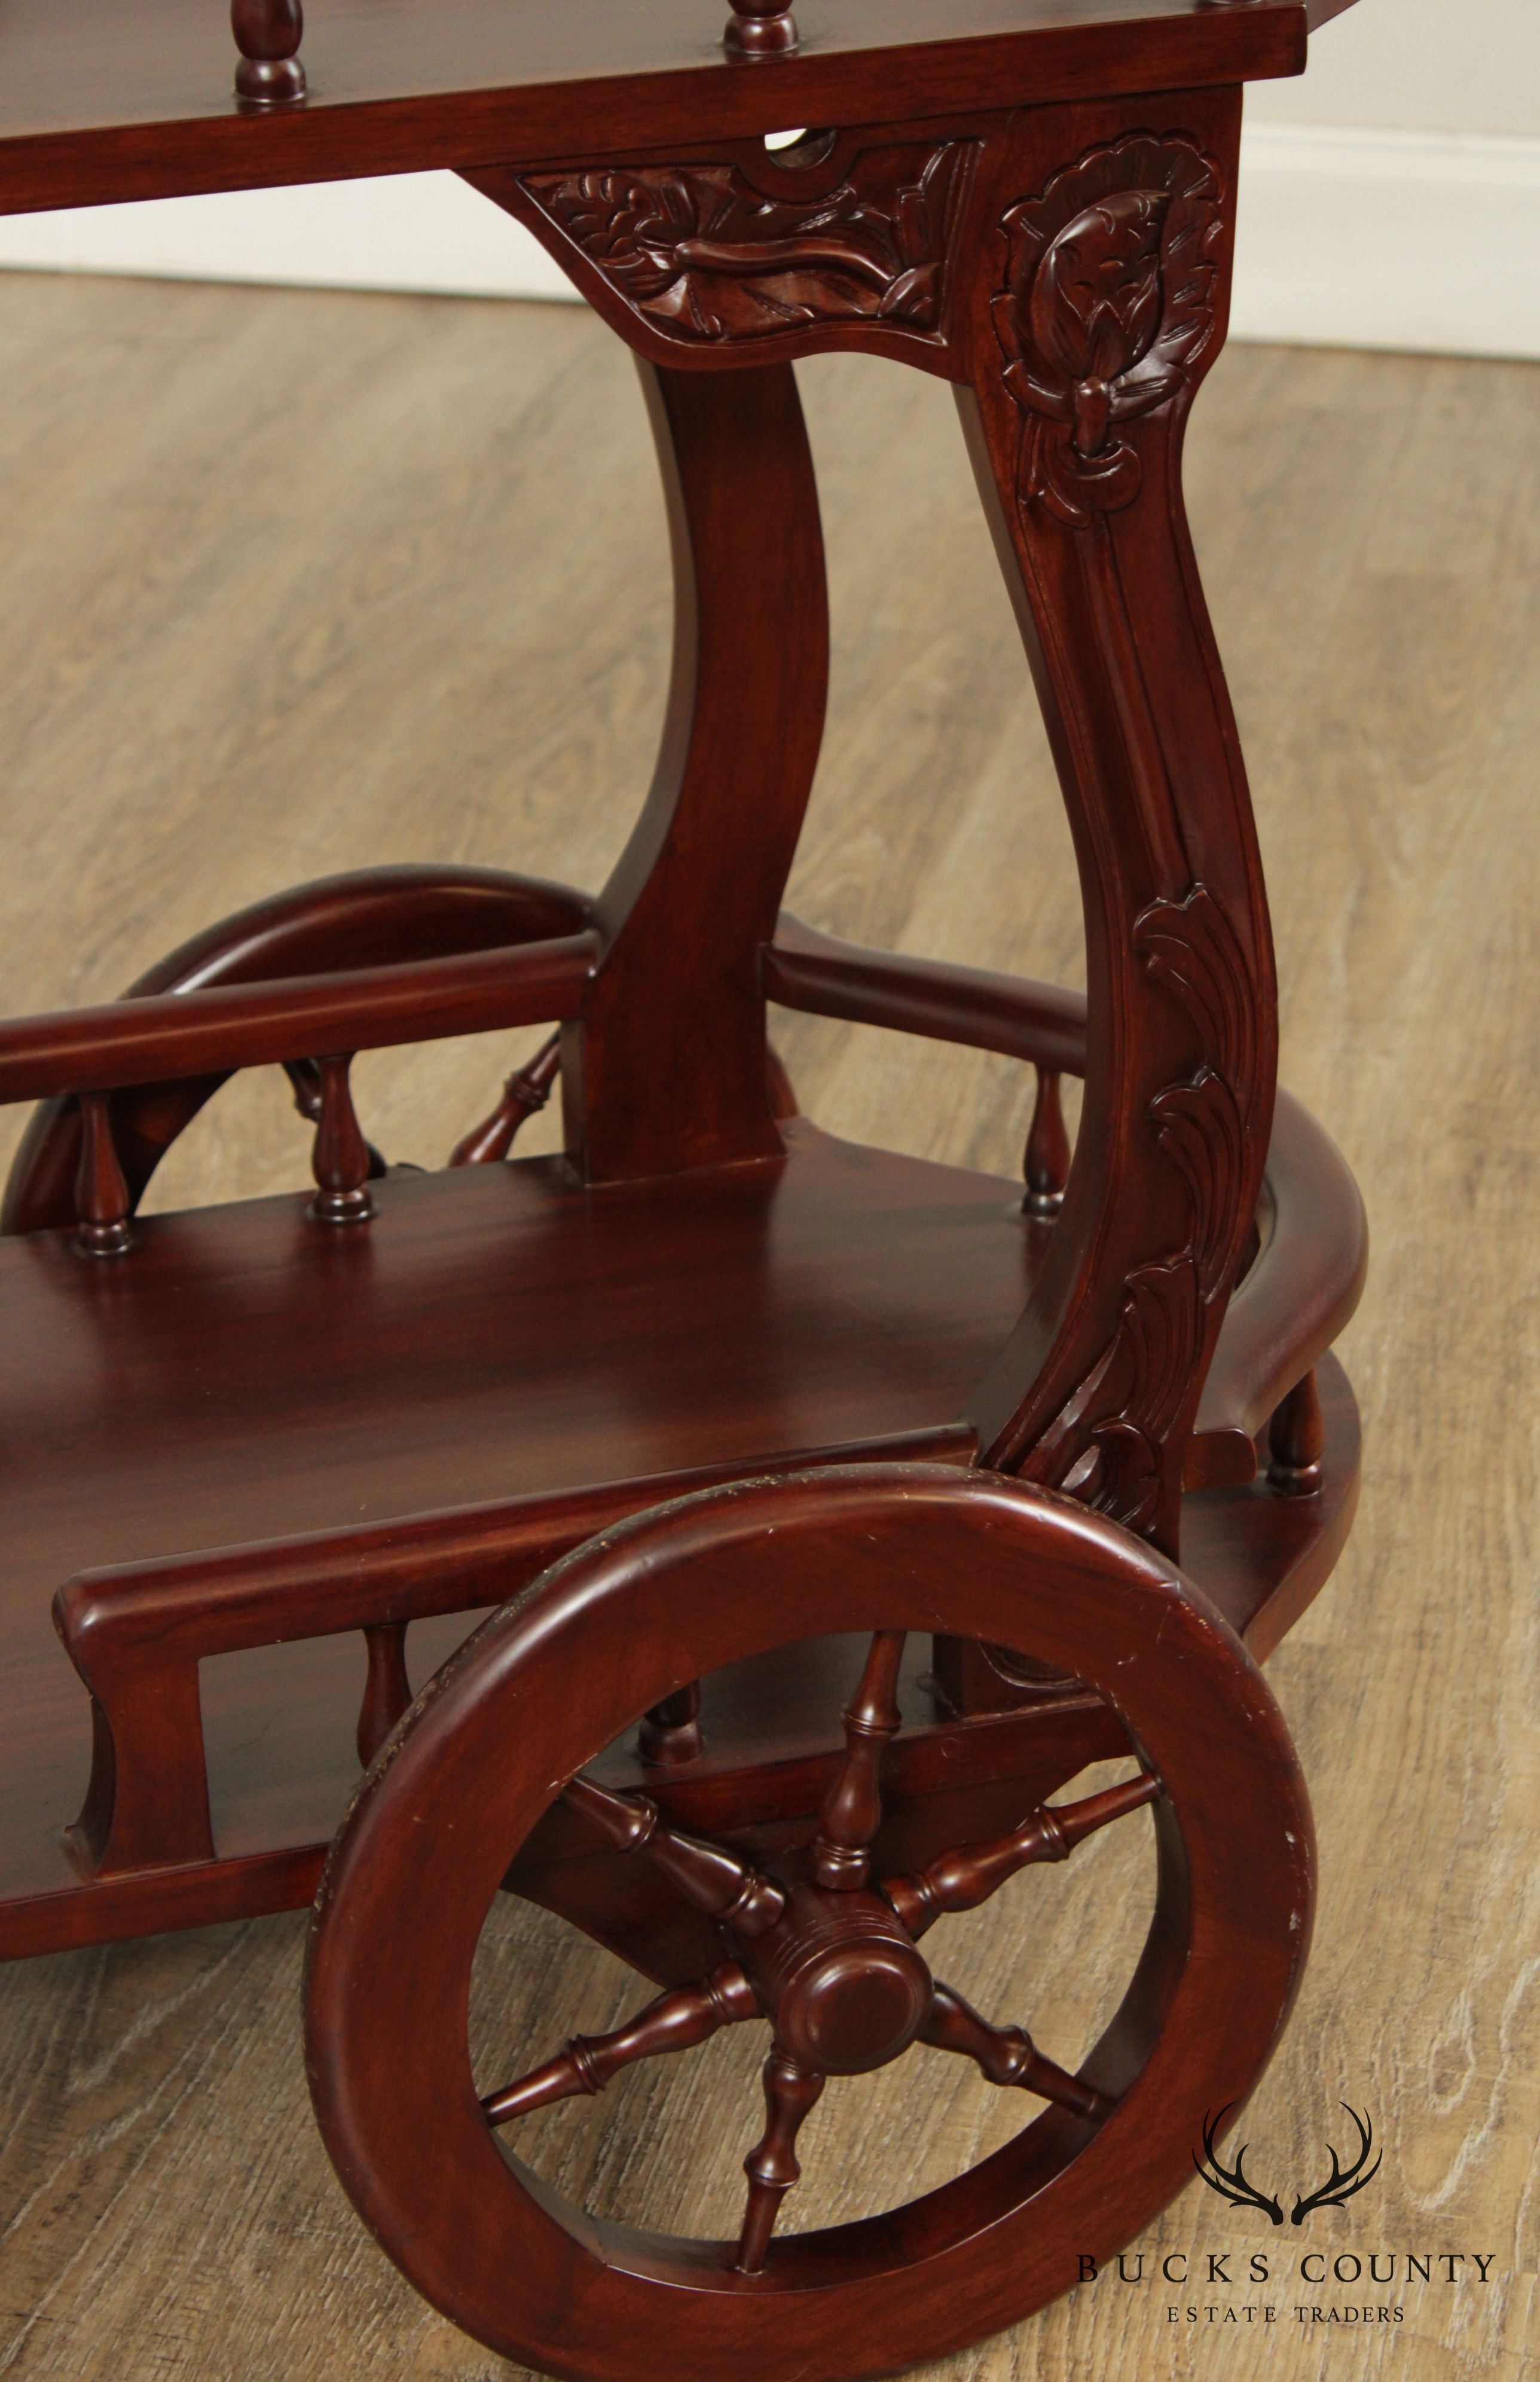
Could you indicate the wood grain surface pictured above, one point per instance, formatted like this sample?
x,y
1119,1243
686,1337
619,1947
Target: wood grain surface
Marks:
x,y
294,582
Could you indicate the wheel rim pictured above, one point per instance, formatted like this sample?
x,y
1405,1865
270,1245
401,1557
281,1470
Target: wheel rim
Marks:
x,y
628,1620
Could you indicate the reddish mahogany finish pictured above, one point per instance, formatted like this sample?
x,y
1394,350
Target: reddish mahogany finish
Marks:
x,y
732,1573
268,33
269,1461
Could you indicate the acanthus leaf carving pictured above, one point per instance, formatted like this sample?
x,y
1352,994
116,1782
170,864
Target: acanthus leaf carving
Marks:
x,y
1190,947
1136,1393
1109,296
1105,1444
701,253
1198,1126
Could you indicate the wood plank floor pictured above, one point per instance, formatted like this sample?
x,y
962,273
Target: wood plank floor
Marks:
x,y
296,582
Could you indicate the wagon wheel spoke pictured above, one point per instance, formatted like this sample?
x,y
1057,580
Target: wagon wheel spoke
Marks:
x,y
968,1874
1006,2054
677,2021
771,2166
853,1808
707,1875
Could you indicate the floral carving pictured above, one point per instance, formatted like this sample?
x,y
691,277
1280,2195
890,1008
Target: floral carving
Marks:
x,y
703,255
1109,295
1105,1443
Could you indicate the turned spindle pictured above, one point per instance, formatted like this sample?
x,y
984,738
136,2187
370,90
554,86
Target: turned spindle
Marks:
x,y
853,1808
1047,1164
268,35
968,1874
304,1079
1295,1438
676,2021
707,1875
759,29
386,1688
670,1732
101,1192
340,1158
524,1095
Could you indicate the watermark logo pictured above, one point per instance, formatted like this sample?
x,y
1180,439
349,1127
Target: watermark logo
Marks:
x,y
1235,2185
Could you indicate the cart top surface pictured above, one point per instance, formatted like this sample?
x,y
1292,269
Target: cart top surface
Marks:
x,y
135,100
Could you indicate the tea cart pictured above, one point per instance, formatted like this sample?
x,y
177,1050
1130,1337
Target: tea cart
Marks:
x,y
830,1512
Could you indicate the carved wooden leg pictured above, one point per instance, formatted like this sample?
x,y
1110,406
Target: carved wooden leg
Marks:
x,y
1098,304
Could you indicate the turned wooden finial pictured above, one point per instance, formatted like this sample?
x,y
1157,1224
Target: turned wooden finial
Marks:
x,y
340,1158
670,1732
386,1688
853,1808
1296,1441
761,28
101,1192
268,35
1046,1165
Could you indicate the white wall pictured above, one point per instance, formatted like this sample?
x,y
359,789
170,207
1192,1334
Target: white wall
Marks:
x,y
1422,65
1390,197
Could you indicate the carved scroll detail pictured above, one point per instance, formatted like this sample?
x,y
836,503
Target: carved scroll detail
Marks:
x,y
1105,1444
704,256
1109,295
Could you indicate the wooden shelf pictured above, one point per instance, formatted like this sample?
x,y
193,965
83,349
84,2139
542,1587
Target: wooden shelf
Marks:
x,y
136,101
494,1330
493,1333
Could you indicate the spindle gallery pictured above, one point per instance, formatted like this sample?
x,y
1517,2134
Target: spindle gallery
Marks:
x,y
831,1512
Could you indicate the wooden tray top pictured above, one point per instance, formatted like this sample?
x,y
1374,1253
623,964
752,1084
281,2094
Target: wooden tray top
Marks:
x,y
136,100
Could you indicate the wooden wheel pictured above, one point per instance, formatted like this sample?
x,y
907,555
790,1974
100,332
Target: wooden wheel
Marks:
x,y
813,1940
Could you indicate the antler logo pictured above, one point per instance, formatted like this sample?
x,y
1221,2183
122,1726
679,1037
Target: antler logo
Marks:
x,y
1341,2183
1234,2185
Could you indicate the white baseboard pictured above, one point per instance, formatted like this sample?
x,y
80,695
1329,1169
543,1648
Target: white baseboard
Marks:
x,y
1348,238
412,231
1352,237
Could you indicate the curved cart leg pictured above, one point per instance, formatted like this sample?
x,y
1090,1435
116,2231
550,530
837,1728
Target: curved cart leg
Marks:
x,y
1101,305
667,1067
1068,268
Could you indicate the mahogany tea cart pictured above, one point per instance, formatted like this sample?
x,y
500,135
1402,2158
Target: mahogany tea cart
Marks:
x,y
831,1512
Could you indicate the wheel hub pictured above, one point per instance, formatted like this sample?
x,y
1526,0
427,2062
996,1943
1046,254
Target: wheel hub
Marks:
x,y
841,1980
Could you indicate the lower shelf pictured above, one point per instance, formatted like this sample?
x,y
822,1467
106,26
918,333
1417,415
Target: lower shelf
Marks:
x,y
247,1374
